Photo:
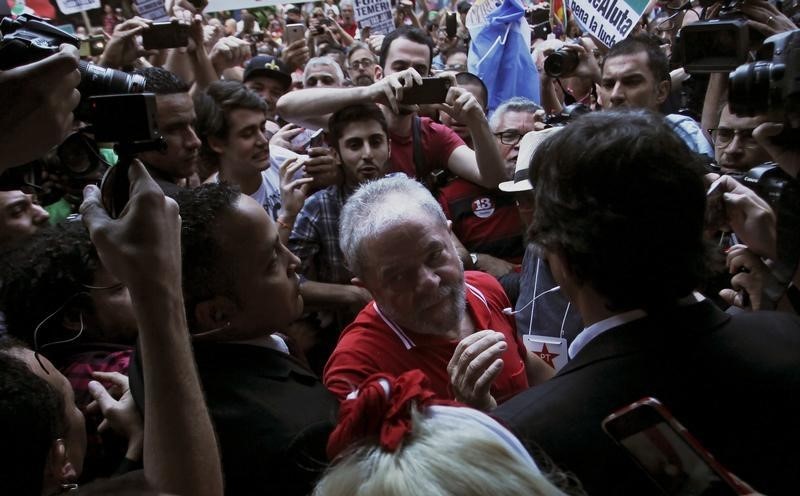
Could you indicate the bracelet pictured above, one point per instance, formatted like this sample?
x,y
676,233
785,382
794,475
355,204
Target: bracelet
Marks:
x,y
283,224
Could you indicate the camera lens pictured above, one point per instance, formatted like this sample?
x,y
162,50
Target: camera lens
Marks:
x,y
560,63
96,80
749,88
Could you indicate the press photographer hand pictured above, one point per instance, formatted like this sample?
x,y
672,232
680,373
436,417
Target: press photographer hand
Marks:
x,y
37,101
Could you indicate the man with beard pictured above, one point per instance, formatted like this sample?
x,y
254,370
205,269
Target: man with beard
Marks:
x,y
362,67
428,314
419,145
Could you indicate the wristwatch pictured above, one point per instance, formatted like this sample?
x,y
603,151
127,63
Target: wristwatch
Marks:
x,y
474,259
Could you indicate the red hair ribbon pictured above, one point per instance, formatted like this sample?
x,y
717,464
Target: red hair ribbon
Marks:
x,y
376,412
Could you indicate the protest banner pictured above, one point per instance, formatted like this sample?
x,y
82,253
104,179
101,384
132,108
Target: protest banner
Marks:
x,y
375,14
152,9
74,6
220,5
610,21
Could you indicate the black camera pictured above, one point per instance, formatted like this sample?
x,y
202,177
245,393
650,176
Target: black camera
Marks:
x,y
716,45
29,38
562,62
772,82
567,115
782,192
106,96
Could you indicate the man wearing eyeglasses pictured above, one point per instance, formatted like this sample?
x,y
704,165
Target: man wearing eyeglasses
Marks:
x,y
735,149
487,221
361,65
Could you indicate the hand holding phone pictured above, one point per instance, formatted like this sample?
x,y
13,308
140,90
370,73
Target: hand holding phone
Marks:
x,y
663,448
432,90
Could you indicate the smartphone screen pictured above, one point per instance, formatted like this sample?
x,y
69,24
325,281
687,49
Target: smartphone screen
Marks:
x,y
675,461
432,90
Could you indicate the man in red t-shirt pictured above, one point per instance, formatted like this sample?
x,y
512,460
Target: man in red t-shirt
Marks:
x,y
427,313
405,58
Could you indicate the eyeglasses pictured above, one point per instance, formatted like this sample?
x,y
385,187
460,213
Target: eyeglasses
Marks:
x,y
365,63
723,136
510,137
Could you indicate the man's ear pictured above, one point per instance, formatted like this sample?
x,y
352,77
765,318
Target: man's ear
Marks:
x,y
214,313
662,90
59,469
216,144
378,72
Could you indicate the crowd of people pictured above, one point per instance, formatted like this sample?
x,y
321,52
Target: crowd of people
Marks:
x,y
319,286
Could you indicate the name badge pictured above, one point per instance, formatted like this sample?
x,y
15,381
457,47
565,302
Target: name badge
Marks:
x,y
550,349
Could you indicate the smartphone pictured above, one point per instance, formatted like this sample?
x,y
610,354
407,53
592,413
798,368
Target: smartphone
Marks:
x,y
295,32
432,90
165,35
317,139
451,25
715,217
673,459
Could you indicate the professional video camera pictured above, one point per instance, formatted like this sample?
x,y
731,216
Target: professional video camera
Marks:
x,y
106,95
772,82
716,45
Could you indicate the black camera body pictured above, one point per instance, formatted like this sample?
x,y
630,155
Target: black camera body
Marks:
x,y
567,115
782,192
28,38
716,45
562,62
772,82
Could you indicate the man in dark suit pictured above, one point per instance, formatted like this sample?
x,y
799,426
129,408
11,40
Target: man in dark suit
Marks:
x,y
272,415
620,219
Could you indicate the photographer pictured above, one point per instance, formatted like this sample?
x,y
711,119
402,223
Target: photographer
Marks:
x,y
634,74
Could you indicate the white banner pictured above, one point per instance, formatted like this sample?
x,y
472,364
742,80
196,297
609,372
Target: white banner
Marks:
x,y
375,14
610,21
219,5
152,9
74,6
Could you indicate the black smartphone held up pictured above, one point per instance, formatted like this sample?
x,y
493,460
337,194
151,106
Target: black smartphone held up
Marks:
x,y
451,25
165,35
432,90
673,459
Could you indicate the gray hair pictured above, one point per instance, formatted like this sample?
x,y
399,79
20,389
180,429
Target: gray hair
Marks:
x,y
378,206
324,60
514,104
344,3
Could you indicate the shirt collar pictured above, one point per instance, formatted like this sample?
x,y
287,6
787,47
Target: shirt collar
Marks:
x,y
598,328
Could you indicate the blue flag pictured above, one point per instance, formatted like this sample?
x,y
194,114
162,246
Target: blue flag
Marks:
x,y
500,55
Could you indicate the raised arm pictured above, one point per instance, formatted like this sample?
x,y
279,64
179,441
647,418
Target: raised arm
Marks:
x,y
313,107
142,249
